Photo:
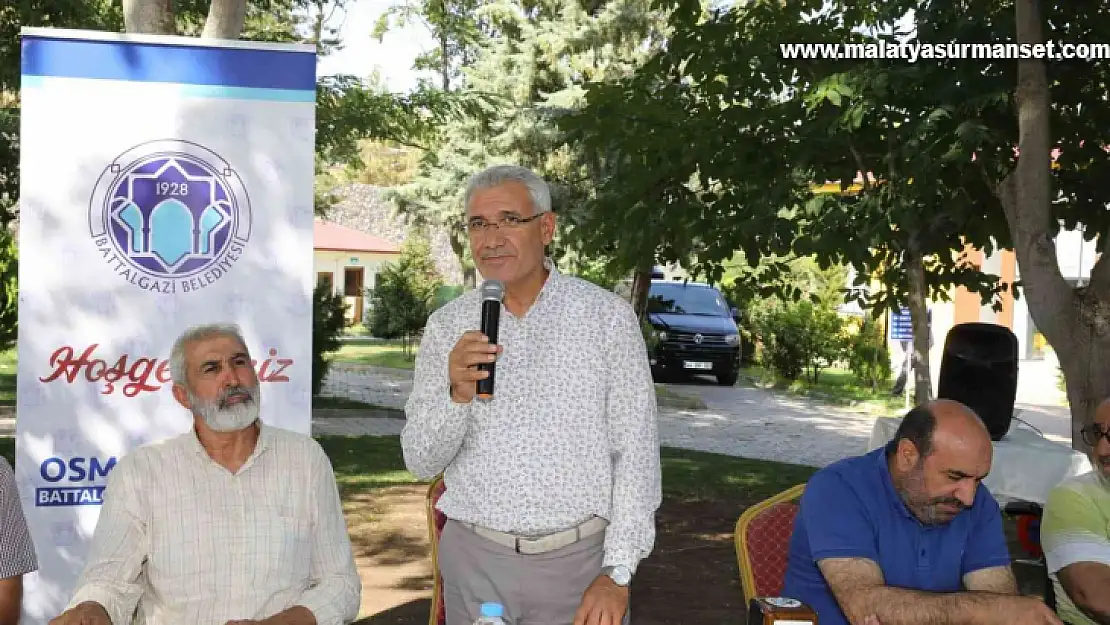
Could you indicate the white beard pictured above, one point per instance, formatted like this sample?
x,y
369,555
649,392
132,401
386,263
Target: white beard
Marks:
x,y
231,418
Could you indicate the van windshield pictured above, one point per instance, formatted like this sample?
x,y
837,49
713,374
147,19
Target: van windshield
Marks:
x,y
677,299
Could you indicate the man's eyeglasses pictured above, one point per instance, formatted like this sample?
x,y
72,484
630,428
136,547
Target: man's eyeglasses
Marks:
x,y
508,222
1092,433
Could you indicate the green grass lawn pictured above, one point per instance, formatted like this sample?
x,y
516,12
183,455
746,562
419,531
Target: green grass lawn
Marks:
x,y
384,354
366,463
7,377
833,385
342,403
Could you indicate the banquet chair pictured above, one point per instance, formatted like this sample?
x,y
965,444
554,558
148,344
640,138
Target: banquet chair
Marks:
x,y
762,543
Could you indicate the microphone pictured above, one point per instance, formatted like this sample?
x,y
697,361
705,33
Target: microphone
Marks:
x,y
492,293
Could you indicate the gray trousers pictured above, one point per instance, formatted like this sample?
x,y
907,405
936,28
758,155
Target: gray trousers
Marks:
x,y
541,589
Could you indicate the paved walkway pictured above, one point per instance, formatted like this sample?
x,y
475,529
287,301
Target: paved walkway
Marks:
x,y
737,421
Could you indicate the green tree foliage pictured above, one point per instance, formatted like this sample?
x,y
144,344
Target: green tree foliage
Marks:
x,y
88,14
867,353
799,337
995,111
798,327
531,65
775,126
405,293
9,294
328,317
455,25
386,163
590,269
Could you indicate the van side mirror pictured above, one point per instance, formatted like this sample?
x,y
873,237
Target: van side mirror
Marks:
x,y
736,314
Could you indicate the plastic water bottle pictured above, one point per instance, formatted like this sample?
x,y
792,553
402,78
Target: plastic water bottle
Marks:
x,y
490,614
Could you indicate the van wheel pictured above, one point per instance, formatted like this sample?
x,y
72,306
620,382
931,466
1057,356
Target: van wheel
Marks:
x,y
728,377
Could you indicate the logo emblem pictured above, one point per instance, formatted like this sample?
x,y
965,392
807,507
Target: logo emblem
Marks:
x,y
170,216
698,338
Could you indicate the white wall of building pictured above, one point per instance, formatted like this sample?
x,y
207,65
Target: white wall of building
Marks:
x,y
336,263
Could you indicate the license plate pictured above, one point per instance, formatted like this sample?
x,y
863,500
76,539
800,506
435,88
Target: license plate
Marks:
x,y
697,365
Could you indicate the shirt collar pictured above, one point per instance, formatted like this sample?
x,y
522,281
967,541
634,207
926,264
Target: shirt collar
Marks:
x,y
553,277
265,435
883,460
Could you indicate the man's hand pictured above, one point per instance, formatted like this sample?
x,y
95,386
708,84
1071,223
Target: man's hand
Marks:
x,y
603,603
472,349
87,613
858,585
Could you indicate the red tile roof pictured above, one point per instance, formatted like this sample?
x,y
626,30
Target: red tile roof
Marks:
x,y
331,236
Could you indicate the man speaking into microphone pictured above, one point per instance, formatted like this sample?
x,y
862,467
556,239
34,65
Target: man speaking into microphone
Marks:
x,y
552,468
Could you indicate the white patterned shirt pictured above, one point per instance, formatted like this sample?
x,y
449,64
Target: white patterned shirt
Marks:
x,y
186,541
570,432
17,551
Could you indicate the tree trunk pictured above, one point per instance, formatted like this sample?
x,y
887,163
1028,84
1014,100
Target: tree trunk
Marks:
x,y
641,286
444,50
225,19
1075,323
919,319
149,17
458,246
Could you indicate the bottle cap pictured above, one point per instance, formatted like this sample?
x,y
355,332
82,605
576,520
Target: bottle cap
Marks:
x,y
492,609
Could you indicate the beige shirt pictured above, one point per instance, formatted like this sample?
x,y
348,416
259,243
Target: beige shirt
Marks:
x,y
187,542
570,432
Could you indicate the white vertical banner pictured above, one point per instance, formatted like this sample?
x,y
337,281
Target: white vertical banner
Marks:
x,y
165,182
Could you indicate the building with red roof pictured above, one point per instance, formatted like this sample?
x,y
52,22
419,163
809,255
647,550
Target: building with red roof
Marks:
x,y
349,260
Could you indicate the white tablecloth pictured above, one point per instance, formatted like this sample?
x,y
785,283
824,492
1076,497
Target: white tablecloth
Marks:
x,y
1026,465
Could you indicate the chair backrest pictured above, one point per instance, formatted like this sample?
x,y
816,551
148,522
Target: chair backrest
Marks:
x,y
436,521
763,542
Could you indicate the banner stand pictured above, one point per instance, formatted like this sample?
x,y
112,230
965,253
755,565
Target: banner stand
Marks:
x,y
165,182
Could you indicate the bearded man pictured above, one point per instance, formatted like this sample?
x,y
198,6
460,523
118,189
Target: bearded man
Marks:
x,y
908,533
234,521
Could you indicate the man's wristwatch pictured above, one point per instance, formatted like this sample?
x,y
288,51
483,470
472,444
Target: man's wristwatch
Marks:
x,y
620,574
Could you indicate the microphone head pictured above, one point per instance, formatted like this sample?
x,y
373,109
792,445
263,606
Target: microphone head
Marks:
x,y
493,290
